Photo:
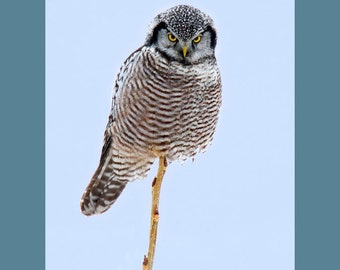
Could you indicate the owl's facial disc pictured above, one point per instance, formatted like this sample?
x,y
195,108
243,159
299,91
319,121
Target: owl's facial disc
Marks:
x,y
189,51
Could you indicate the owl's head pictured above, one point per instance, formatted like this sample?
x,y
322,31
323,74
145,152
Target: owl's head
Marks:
x,y
184,34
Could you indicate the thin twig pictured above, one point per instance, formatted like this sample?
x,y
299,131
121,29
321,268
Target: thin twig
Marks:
x,y
156,189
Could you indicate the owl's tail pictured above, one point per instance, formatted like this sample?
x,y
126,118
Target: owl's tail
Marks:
x,y
101,192
115,170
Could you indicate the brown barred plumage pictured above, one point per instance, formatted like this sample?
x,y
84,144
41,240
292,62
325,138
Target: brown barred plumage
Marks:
x,y
165,103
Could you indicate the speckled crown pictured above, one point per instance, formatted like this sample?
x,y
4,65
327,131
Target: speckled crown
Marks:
x,y
185,21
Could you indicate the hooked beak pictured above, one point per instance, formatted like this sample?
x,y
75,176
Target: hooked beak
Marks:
x,y
185,50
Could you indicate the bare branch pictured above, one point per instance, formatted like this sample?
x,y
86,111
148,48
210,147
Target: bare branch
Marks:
x,y
156,189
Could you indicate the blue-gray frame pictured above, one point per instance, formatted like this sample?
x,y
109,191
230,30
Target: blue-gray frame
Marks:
x,y
317,135
22,141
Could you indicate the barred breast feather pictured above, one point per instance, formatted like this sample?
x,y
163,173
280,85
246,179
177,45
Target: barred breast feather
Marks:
x,y
159,108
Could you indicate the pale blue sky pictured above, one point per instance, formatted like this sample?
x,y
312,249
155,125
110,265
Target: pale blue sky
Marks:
x,y
233,207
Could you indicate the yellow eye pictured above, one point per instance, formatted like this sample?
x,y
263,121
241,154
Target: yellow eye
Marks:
x,y
197,39
172,38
